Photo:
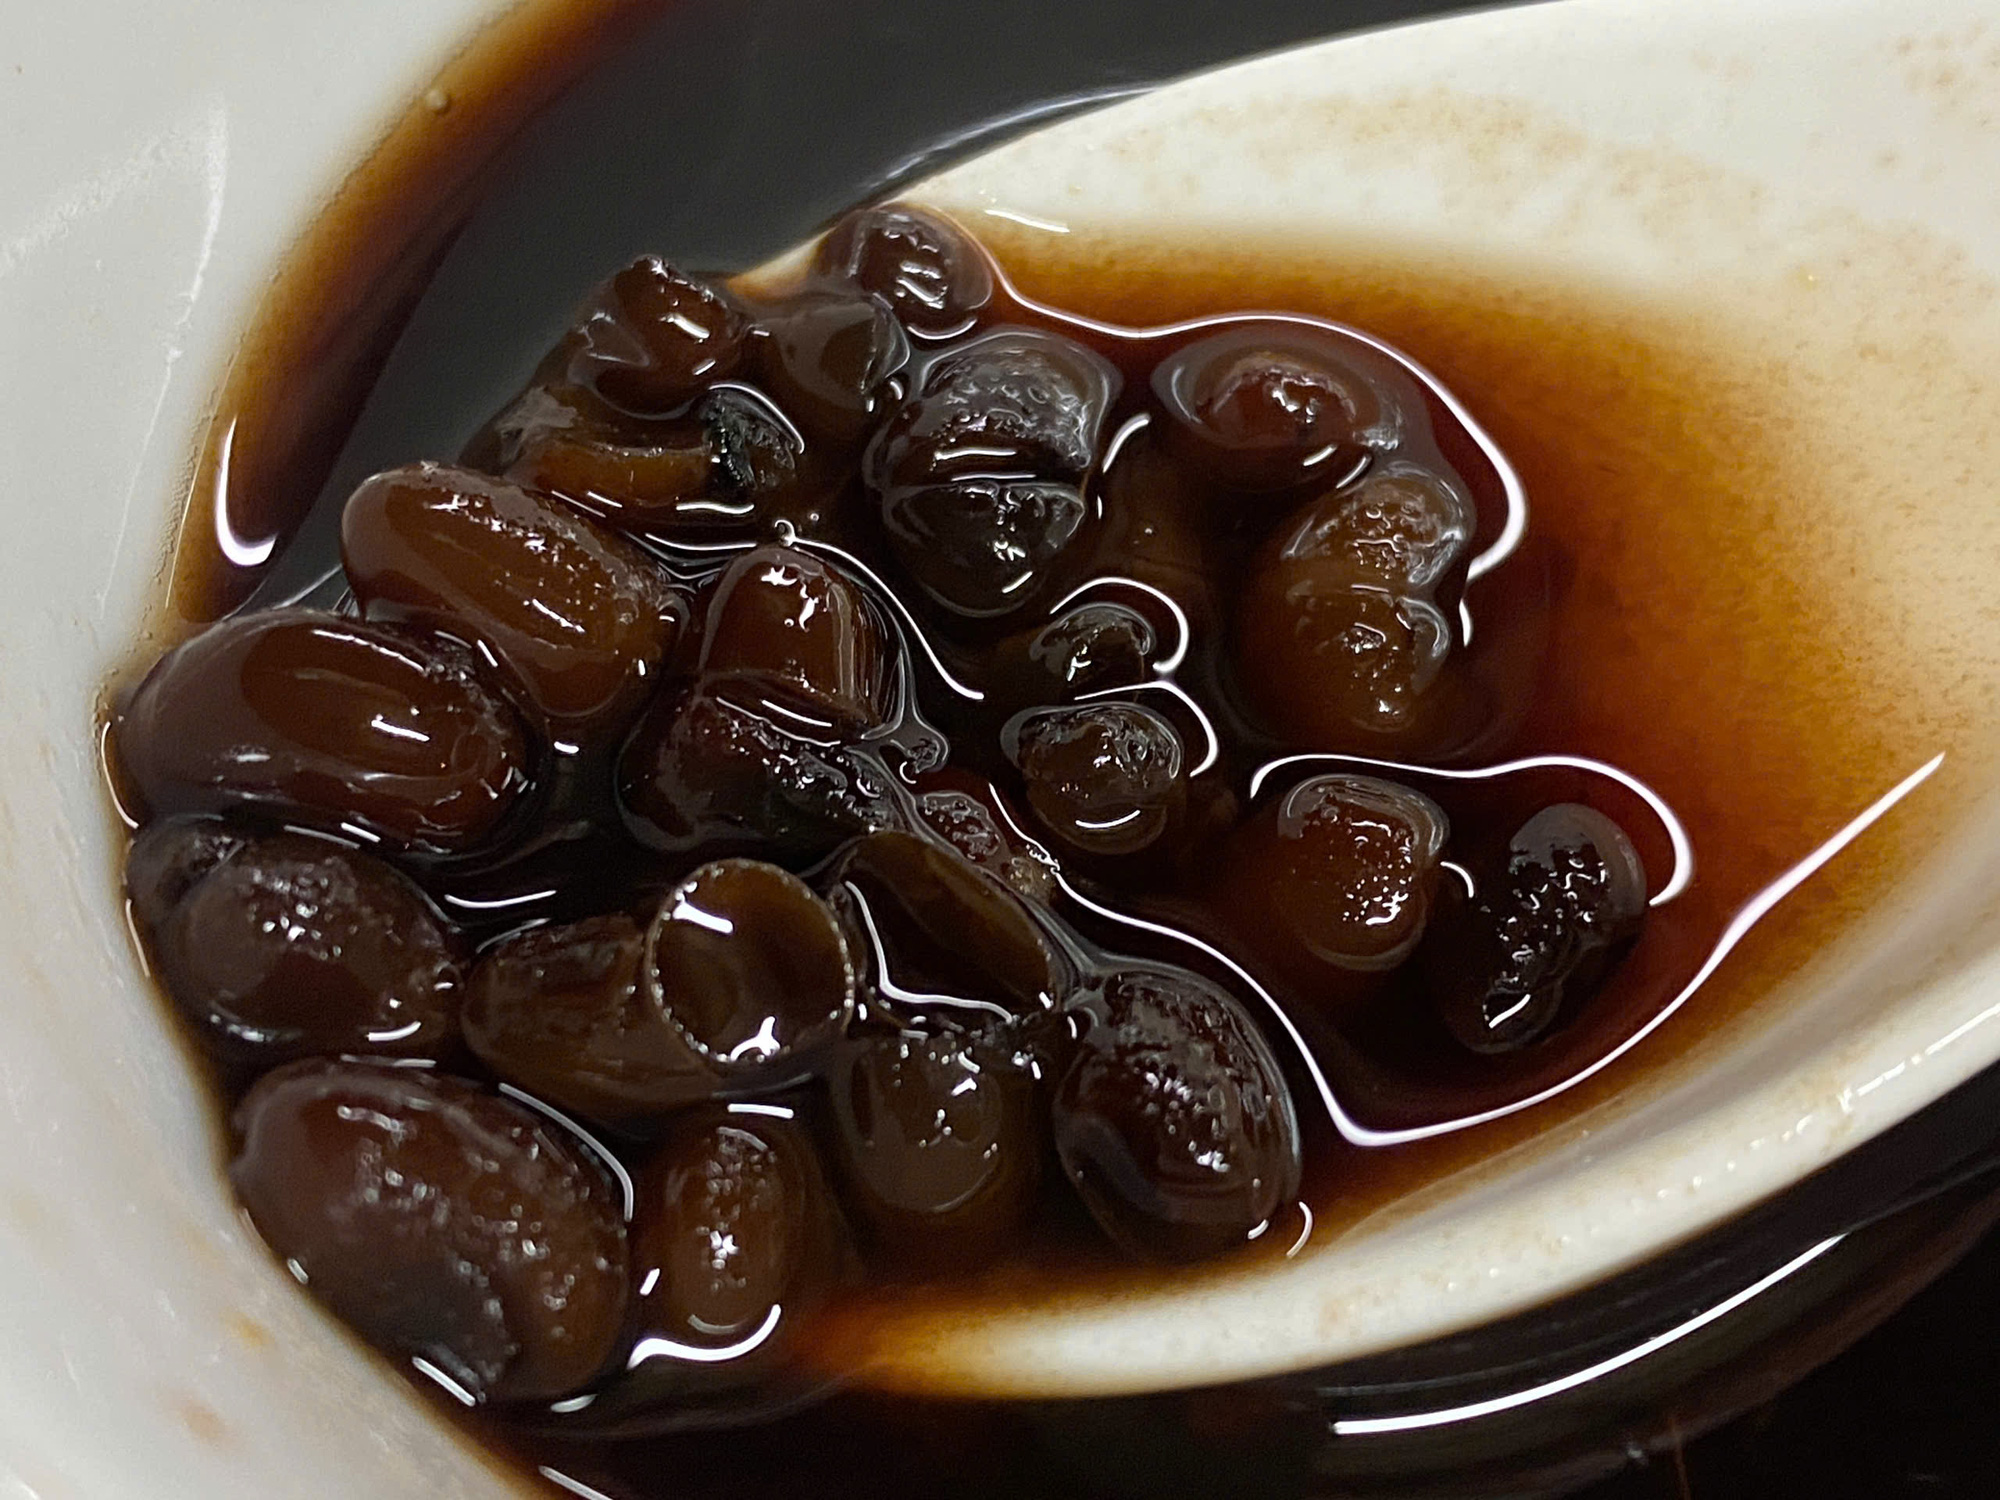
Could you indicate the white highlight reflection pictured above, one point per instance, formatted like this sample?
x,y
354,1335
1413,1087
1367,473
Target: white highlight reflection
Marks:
x,y
443,1381
1414,1421
1752,913
498,903
686,911
773,1111
1305,1234
240,553
661,1348
1130,428
1050,226
574,1486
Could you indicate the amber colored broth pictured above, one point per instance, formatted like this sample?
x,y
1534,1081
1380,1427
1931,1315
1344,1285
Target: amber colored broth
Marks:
x,y
1686,647
1697,642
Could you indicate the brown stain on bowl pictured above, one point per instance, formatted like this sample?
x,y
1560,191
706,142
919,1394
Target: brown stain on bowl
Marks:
x,y
248,1333
202,1421
1956,72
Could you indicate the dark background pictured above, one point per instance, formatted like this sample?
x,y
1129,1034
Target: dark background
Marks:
x,y
1911,1411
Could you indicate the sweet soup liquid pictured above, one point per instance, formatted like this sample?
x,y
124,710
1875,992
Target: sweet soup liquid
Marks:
x,y
1683,648
1669,650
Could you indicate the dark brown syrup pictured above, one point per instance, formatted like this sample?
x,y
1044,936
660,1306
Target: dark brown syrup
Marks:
x,y
1678,651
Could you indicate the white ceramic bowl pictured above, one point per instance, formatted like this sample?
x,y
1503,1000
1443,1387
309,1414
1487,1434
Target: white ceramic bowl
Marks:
x,y
1812,175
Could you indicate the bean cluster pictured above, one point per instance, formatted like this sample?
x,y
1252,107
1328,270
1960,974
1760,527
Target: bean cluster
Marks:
x,y
649,897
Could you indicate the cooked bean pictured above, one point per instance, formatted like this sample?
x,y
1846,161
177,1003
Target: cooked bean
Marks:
x,y
326,721
733,1228
829,356
719,767
752,967
1345,626
443,1224
581,617
1174,1122
1268,405
1506,962
943,940
939,1141
293,947
1342,868
561,1011
932,276
1105,778
652,337
799,626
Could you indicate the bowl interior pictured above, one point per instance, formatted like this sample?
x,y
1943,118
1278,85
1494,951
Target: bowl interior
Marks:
x,y
1694,166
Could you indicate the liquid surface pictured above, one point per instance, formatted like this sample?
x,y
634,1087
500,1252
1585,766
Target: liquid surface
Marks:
x,y
1379,1088
1732,733
1683,648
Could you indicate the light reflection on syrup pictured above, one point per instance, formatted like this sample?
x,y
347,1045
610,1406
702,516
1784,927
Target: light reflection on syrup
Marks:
x,y
1755,910
1350,1427
575,1486
653,1346
238,552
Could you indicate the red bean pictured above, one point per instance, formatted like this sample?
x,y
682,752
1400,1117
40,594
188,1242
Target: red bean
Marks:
x,y
1341,871
733,1229
290,946
1016,402
798,626
718,768
981,547
652,337
939,1142
561,1011
1345,625
1404,528
946,943
441,1223
1265,406
1094,645
1174,1122
752,967
1535,940
1104,778
326,721
979,474
718,471
167,857
829,356
581,617
962,810
755,452
933,277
